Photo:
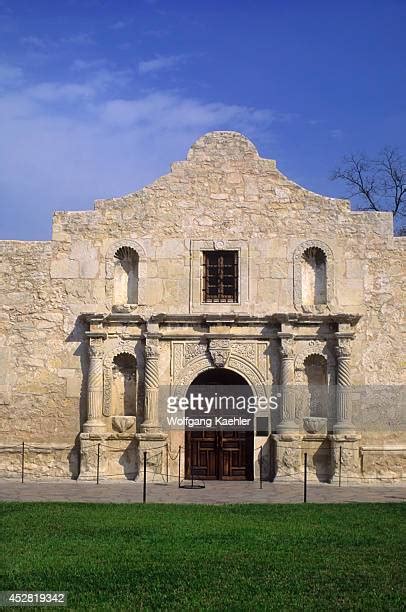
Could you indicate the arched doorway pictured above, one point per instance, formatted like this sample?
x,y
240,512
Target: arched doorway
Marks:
x,y
215,453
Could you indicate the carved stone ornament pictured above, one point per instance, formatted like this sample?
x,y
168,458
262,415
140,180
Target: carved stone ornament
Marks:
x,y
151,351
315,425
96,348
219,350
192,350
287,348
344,347
123,423
246,350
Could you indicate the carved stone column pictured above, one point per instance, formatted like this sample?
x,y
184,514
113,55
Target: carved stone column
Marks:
x,y
94,423
343,393
151,373
287,423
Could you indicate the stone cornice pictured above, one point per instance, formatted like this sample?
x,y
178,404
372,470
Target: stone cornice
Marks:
x,y
293,319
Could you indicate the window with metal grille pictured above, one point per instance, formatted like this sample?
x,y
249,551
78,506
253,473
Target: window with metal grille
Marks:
x,y
220,276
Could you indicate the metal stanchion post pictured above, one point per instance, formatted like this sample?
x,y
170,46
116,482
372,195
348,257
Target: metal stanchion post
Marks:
x,y
180,451
260,468
98,463
339,467
191,470
305,479
144,490
22,463
167,462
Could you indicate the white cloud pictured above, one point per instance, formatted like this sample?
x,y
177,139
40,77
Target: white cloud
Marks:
x,y
80,65
163,110
121,24
10,75
55,156
34,41
337,134
161,62
52,92
95,85
82,38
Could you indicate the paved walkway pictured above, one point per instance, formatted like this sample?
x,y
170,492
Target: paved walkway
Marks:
x,y
214,493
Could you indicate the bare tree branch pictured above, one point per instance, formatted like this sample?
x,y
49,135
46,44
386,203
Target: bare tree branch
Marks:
x,y
380,183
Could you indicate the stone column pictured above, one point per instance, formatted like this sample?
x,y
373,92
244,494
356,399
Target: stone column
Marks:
x,y
151,373
345,440
94,423
287,423
343,392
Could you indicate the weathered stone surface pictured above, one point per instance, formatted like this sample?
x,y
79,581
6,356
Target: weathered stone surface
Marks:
x,y
224,196
64,268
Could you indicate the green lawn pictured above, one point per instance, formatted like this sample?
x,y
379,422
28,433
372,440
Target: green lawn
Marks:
x,y
120,557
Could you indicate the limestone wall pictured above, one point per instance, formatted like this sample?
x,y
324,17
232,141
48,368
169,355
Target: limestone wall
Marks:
x,y
224,193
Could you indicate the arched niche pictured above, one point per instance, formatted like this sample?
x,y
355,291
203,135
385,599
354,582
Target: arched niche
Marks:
x,y
315,369
125,282
115,347
126,272
313,275
315,352
124,385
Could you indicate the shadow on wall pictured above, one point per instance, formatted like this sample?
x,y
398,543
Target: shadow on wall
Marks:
x,y
322,462
266,459
129,461
77,335
118,462
74,459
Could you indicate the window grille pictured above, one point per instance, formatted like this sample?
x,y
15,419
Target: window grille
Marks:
x,y
220,276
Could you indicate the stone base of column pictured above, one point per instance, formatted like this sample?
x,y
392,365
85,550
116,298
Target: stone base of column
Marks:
x,y
318,449
94,426
287,457
88,456
343,428
118,456
287,428
150,427
350,472
154,445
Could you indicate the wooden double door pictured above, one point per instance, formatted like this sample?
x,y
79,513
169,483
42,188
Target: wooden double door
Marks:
x,y
219,455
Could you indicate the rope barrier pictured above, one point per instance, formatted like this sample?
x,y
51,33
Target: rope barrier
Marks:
x,y
155,464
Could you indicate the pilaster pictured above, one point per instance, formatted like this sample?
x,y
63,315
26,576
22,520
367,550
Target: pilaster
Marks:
x,y
94,423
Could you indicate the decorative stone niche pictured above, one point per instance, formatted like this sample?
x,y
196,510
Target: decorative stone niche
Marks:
x,y
126,276
124,385
313,276
314,286
316,374
315,377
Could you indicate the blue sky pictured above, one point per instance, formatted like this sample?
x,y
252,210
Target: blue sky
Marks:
x,y
98,97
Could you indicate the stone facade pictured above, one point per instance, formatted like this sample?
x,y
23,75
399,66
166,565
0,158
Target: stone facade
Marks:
x,y
83,355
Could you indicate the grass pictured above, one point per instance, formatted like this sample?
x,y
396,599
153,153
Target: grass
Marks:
x,y
290,557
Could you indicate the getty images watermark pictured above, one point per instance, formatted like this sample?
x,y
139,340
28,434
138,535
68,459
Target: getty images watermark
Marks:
x,y
221,407
202,410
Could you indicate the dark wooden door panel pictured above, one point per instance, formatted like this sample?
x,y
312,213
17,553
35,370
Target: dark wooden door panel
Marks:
x,y
236,455
224,455
201,454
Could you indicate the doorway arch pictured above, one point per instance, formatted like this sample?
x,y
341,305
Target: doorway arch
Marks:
x,y
215,453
